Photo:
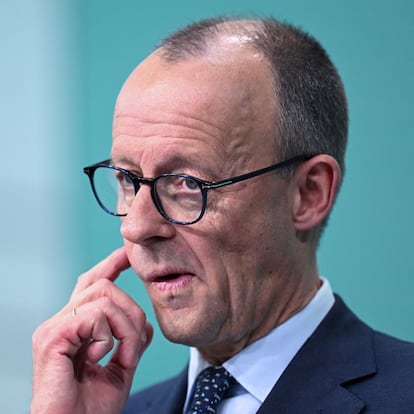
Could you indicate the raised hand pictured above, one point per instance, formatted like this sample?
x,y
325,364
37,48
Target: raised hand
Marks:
x,y
67,376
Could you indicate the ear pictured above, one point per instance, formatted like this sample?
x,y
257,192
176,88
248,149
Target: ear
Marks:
x,y
316,184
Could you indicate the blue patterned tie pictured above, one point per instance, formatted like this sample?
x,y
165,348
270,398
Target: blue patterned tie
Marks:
x,y
210,387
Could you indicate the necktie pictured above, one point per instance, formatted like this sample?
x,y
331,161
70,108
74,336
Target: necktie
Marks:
x,y
210,387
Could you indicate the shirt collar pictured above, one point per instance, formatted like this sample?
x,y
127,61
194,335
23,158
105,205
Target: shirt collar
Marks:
x,y
250,367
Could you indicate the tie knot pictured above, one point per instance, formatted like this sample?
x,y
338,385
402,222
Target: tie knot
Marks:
x,y
210,387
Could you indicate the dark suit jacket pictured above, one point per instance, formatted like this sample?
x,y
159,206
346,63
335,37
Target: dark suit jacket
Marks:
x,y
345,367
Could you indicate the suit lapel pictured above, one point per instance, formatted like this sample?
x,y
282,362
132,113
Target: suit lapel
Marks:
x,y
175,398
167,397
338,352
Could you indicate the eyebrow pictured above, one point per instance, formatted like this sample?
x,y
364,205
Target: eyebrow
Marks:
x,y
173,162
123,160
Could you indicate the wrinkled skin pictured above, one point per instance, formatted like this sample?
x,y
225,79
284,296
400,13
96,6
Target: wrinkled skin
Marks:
x,y
67,378
218,284
237,275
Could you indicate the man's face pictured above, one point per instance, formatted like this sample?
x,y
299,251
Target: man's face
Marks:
x,y
225,281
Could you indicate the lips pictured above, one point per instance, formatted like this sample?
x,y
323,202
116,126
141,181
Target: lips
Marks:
x,y
165,275
170,278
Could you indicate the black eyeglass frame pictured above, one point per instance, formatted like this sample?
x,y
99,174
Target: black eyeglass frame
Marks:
x,y
203,184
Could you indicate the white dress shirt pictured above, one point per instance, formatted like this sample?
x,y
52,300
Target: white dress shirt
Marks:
x,y
258,367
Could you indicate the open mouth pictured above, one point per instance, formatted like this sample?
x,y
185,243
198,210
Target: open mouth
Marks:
x,y
173,280
168,278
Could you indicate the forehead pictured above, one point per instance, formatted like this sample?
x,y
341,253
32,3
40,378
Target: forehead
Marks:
x,y
223,105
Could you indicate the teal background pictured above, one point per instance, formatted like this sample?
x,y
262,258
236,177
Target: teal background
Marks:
x,y
367,250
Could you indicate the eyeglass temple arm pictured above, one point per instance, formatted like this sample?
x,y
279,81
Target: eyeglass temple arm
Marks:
x,y
222,183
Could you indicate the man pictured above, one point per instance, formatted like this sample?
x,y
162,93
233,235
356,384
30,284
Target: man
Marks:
x,y
229,263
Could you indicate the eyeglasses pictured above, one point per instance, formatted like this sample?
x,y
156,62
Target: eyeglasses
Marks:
x,y
180,198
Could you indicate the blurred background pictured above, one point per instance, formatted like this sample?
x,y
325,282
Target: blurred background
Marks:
x,y
63,63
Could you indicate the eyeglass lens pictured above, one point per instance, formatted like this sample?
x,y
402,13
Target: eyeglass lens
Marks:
x,y
178,197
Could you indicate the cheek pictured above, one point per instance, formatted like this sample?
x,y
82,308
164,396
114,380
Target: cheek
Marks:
x,y
238,230
230,261
253,239
133,260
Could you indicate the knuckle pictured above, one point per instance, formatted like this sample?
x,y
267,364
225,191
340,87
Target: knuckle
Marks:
x,y
82,279
105,286
135,336
105,302
36,337
44,335
139,314
40,333
137,317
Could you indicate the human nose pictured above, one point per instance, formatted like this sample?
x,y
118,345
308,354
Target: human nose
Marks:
x,y
144,222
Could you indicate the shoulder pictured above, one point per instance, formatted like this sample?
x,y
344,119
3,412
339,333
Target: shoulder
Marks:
x,y
385,365
355,338
394,356
390,388
345,363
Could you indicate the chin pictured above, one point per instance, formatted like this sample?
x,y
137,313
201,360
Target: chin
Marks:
x,y
181,337
185,330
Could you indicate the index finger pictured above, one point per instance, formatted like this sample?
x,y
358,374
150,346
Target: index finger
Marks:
x,y
109,268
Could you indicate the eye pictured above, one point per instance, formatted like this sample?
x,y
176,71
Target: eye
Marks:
x,y
124,180
177,186
190,184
